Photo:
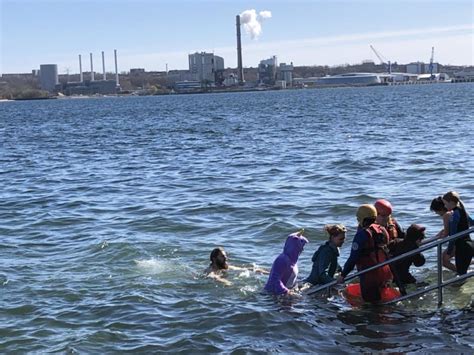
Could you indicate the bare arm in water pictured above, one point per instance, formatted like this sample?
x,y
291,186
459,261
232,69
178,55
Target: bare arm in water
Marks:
x,y
217,277
254,269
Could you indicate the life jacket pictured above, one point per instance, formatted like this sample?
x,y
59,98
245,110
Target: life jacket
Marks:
x,y
374,252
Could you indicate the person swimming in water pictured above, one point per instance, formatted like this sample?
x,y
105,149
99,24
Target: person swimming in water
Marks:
x,y
324,260
285,268
219,265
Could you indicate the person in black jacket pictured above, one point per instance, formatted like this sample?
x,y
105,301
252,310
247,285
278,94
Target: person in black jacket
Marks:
x,y
324,260
414,235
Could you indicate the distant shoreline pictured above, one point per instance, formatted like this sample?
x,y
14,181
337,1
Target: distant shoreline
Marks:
x,y
225,91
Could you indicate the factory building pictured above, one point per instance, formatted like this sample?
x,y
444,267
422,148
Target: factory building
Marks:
x,y
92,86
49,77
285,73
267,70
88,87
421,68
206,68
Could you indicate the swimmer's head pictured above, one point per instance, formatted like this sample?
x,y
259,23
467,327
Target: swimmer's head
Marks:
x,y
218,259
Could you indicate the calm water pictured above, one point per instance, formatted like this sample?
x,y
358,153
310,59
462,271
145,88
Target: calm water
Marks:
x,y
110,207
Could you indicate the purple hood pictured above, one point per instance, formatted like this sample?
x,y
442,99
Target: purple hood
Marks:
x,y
285,270
294,246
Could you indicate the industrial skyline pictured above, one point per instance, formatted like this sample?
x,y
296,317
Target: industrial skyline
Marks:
x,y
306,33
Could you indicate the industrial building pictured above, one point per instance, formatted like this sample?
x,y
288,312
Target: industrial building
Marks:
x,y
49,77
187,86
92,86
285,73
270,74
89,87
267,70
421,68
207,68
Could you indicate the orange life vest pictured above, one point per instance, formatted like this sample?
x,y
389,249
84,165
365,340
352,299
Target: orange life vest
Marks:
x,y
372,253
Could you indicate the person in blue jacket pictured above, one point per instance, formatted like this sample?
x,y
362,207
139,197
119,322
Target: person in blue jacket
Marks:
x,y
368,249
324,260
458,222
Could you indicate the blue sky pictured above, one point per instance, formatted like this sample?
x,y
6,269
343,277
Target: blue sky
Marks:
x,y
150,34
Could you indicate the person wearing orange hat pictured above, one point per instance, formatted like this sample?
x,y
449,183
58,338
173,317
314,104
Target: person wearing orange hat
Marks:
x,y
368,249
384,218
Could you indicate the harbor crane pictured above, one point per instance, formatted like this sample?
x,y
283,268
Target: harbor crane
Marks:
x,y
382,60
431,63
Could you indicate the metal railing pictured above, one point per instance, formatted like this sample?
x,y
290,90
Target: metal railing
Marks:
x,y
440,283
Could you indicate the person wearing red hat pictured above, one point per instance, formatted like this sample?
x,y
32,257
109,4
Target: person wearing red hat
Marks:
x,y
369,249
385,219
414,236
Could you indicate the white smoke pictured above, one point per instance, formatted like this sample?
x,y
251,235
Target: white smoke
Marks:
x,y
251,21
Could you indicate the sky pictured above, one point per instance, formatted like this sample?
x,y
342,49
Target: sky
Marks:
x,y
153,34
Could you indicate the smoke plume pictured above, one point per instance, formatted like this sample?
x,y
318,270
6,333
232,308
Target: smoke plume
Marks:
x,y
252,21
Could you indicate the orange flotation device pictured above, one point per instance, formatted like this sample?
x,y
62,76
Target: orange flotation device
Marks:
x,y
353,295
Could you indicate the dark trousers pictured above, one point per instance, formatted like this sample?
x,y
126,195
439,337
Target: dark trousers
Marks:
x,y
463,254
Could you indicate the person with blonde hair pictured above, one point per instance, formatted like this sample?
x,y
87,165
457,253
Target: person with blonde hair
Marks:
x,y
458,222
324,260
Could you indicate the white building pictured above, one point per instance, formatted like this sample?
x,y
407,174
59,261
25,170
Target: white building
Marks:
x,y
206,67
267,70
49,76
231,80
421,68
285,73
465,74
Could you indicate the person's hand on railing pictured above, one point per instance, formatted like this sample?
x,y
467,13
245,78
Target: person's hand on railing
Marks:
x,y
340,279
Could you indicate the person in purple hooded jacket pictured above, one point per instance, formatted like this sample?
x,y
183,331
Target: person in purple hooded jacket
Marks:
x,y
285,269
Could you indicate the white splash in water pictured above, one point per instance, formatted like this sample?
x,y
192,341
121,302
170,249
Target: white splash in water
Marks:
x,y
249,289
244,274
155,266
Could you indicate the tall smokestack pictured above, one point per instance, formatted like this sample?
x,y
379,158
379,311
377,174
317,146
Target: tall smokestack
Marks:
x,y
92,69
240,69
116,69
81,77
103,66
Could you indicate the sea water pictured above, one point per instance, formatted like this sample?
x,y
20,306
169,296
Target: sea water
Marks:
x,y
109,208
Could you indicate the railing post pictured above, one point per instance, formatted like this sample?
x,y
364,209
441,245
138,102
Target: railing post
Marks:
x,y
440,276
